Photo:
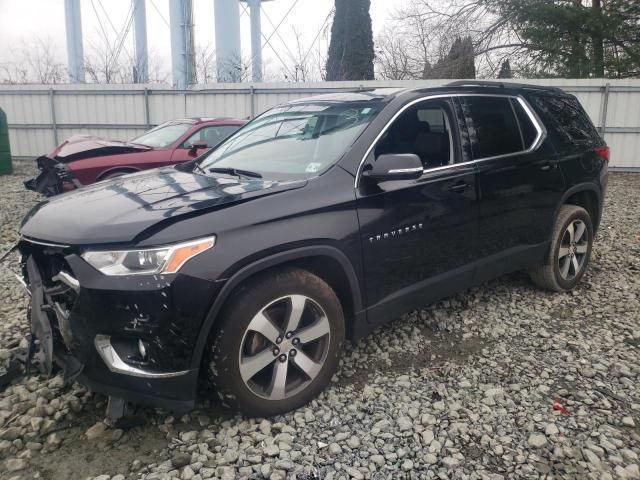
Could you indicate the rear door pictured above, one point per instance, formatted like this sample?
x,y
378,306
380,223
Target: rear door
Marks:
x,y
418,236
519,181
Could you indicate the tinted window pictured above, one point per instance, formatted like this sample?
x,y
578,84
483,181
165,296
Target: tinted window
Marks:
x,y
494,126
568,121
529,132
212,136
422,130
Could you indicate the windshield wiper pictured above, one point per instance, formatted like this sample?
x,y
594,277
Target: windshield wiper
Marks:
x,y
235,171
196,166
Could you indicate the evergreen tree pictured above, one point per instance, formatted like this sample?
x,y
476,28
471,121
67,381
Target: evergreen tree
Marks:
x,y
505,70
351,47
459,62
577,38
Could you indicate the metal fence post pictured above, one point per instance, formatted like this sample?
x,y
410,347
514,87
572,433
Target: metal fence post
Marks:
x,y
252,101
604,105
185,103
147,116
54,124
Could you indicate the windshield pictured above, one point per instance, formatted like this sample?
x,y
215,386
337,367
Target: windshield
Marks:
x,y
163,135
294,141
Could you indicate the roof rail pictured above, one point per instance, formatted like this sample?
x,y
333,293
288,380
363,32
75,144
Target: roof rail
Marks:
x,y
486,83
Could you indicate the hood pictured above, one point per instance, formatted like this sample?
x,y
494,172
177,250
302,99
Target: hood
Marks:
x,y
78,147
122,210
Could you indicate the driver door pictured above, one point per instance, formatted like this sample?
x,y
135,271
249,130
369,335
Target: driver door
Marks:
x,y
211,136
418,236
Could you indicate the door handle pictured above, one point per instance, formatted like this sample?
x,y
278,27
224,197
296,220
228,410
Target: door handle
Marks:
x,y
459,187
547,166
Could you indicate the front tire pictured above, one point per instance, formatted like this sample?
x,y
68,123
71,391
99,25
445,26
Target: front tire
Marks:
x,y
570,251
278,343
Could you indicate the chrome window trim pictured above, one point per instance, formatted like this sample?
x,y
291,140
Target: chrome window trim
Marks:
x,y
532,117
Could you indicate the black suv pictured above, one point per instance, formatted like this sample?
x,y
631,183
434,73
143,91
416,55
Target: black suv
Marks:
x,y
318,221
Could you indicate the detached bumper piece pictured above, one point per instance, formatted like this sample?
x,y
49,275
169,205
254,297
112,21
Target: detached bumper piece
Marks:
x,y
52,178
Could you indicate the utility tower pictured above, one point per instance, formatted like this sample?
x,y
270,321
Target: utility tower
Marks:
x,y
141,68
256,38
75,53
182,55
228,53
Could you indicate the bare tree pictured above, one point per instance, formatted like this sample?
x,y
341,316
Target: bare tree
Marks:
x,y
305,62
393,60
36,61
300,68
421,34
205,60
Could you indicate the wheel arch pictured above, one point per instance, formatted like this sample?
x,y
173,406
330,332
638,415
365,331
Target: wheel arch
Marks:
x,y
125,170
329,263
587,196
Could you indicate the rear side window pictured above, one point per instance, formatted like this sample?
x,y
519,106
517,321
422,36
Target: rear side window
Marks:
x,y
494,126
570,124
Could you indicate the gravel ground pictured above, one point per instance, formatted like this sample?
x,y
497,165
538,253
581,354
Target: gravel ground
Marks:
x,y
503,381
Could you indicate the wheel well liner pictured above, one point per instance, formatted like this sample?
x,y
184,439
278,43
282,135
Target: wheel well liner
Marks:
x,y
587,196
327,262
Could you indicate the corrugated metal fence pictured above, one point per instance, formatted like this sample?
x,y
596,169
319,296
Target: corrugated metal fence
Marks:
x,y
40,116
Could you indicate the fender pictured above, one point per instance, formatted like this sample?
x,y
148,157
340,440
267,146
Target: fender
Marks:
x,y
582,187
272,261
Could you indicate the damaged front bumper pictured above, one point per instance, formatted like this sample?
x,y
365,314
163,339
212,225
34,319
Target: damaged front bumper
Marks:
x,y
53,178
128,337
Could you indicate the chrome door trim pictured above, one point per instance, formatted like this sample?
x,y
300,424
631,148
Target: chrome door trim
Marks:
x,y
405,170
541,132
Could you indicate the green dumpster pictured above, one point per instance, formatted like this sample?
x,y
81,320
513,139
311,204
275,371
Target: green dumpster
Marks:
x,y
5,150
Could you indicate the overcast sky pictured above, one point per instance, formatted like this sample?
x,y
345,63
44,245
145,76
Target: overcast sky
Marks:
x,y
21,20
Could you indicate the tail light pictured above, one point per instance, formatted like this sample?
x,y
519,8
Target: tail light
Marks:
x,y
602,152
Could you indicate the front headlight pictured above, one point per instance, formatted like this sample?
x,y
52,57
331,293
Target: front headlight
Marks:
x,y
147,261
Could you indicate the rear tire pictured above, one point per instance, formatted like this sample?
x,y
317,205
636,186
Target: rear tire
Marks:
x,y
569,253
278,343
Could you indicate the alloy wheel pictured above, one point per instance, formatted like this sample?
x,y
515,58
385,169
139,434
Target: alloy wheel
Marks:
x,y
573,249
284,347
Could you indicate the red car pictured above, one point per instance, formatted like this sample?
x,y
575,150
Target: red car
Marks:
x,y
84,159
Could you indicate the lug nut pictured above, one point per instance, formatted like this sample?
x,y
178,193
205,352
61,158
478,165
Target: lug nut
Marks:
x,y
279,340
288,335
276,351
296,341
293,352
283,358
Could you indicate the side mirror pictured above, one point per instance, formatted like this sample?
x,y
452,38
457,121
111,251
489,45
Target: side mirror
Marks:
x,y
199,145
395,166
